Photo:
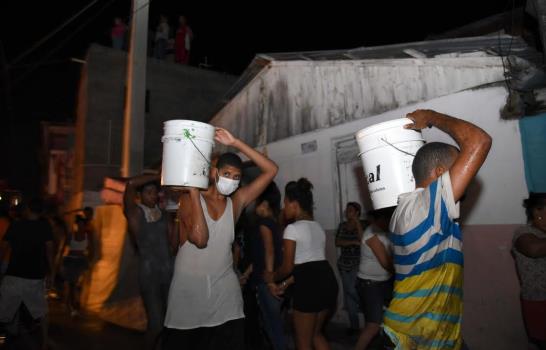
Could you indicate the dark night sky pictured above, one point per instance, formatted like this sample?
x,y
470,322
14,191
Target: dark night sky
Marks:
x,y
228,36
43,86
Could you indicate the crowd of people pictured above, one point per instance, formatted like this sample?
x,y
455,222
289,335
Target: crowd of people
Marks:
x,y
401,267
40,257
165,40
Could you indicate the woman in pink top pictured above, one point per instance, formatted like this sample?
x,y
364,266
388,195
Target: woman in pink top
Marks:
x,y
118,33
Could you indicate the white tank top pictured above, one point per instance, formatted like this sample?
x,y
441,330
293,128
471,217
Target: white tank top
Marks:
x,y
78,245
205,290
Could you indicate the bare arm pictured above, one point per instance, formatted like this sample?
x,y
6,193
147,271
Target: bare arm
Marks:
x,y
288,282
246,275
192,225
277,290
380,253
289,253
359,230
531,246
474,144
269,169
236,252
267,238
173,229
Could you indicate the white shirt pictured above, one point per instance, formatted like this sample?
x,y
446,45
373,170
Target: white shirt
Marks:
x,y
162,31
310,240
370,268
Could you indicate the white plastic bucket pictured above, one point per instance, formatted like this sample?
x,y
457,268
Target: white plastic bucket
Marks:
x,y
387,151
187,146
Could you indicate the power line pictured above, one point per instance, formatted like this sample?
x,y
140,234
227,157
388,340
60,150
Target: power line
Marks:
x,y
41,62
55,31
62,43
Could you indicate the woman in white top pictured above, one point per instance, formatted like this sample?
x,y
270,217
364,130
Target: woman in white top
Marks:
x,y
161,38
374,282
80,252
315,285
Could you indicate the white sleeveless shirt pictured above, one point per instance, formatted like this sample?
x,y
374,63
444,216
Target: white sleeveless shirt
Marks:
x,y
78,245
205,290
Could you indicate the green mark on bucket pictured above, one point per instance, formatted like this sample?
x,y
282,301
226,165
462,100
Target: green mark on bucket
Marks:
x,y
188,135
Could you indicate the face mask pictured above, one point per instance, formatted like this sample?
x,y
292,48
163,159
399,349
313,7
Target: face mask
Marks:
x,y
226,186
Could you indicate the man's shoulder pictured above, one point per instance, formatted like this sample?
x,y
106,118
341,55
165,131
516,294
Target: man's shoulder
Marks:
x,y
411,210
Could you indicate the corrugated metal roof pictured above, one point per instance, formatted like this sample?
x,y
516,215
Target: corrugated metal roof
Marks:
x,y
495,45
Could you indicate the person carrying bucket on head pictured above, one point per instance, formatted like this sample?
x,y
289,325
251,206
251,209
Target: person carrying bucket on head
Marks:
x,y
427,305
205,308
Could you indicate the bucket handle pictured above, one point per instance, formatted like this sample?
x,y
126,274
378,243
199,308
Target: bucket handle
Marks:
x,y
396,148
189,136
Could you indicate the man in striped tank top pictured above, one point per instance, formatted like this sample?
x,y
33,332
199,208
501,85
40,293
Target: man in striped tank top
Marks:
x,y
427,305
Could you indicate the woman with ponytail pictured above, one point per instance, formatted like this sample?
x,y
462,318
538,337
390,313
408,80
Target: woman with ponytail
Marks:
x,y
315,285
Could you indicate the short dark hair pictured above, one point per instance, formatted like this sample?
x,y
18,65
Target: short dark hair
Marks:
x,y
231,159
272,196
356,206
147,184
430,156
383,213
300,191
535,200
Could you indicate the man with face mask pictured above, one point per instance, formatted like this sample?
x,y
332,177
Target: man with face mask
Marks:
x,y
205,309
149,232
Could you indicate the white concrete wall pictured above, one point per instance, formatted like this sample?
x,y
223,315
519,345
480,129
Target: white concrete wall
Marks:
x,y
492,314
494,200
500,182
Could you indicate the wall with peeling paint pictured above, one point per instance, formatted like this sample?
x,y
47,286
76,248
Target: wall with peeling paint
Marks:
x,y
288,98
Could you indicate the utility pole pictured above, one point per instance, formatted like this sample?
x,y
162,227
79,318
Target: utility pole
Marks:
x,y
135,97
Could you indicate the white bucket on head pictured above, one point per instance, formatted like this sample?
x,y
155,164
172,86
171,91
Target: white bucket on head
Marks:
x,y
387,151
187,146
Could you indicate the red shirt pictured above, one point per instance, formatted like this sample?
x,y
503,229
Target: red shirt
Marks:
x,y
118,30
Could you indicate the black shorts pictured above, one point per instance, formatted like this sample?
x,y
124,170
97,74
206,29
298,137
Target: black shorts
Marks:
x,y
74,267
229,335
374,295
315,287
